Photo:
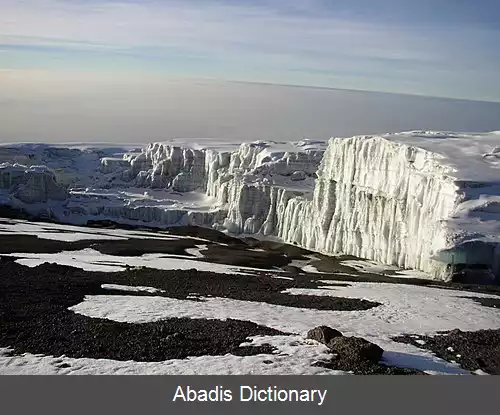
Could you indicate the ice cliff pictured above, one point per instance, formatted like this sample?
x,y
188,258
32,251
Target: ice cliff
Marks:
x,y
423,200
379,200
32,184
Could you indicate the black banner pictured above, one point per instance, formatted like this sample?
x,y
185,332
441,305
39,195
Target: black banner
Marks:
x,y
247,394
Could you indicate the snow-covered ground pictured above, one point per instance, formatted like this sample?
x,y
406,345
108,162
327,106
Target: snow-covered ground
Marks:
x,y
404,309
419,200
92,260
295,357
69,233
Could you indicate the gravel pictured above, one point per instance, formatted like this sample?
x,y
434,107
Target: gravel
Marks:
x,y
472,350
34,318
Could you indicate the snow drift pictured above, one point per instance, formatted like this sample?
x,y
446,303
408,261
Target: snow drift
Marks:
x,y
422,200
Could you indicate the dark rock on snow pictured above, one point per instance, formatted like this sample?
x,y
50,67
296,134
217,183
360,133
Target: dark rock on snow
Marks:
x,y
472,350
355,348
354,354
323,334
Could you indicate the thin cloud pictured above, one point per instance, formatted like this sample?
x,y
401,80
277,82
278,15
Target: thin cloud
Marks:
x,y
201,26
273,35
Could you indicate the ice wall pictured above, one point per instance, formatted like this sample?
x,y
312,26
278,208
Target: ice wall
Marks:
x,y
254,183
34,184
379,200
423,200
163,166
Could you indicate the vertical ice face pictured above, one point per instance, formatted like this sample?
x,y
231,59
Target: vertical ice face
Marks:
x,y
253,184
163,166
378,200
423,200
34,184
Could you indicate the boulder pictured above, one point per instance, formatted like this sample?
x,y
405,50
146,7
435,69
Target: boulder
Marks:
x,y
355,349
323,334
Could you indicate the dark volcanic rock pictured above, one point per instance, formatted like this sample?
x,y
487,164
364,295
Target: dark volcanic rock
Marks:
x,y
359,356
355,348
207,233
252,242
323,334
34,315
473,350
253,350
292,269
241,255
486,302
181,283
356,355
34,318
127,247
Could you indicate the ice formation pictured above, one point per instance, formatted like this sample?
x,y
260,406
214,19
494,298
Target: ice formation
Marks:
x,y
30,184
422,200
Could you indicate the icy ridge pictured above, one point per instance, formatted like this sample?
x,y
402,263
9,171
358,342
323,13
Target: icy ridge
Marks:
x,y
163,166
379,200
253,182
30,184
406,199
247,184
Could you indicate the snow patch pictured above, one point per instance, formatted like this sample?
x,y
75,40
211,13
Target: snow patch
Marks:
x,y
138,288
294,356
196,251
92,260
404,309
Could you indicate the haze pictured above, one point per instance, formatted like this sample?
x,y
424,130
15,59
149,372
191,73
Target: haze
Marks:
x,y
45,107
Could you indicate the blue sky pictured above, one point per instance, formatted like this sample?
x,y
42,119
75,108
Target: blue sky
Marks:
x,y
445,48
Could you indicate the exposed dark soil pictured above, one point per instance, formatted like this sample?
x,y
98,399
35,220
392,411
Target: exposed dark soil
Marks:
x,y
9,212
237,255
206,233
239,252
183,283
180,284
486,302
356,276
241,255
292,251
34,318
125,247
333,265
473,350
34,301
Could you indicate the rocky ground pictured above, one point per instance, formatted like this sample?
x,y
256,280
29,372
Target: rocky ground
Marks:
x,y
34,315
353,354
35,319
479,350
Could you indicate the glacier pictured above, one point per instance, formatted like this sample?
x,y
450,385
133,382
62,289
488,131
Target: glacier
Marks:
x,y
422,200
